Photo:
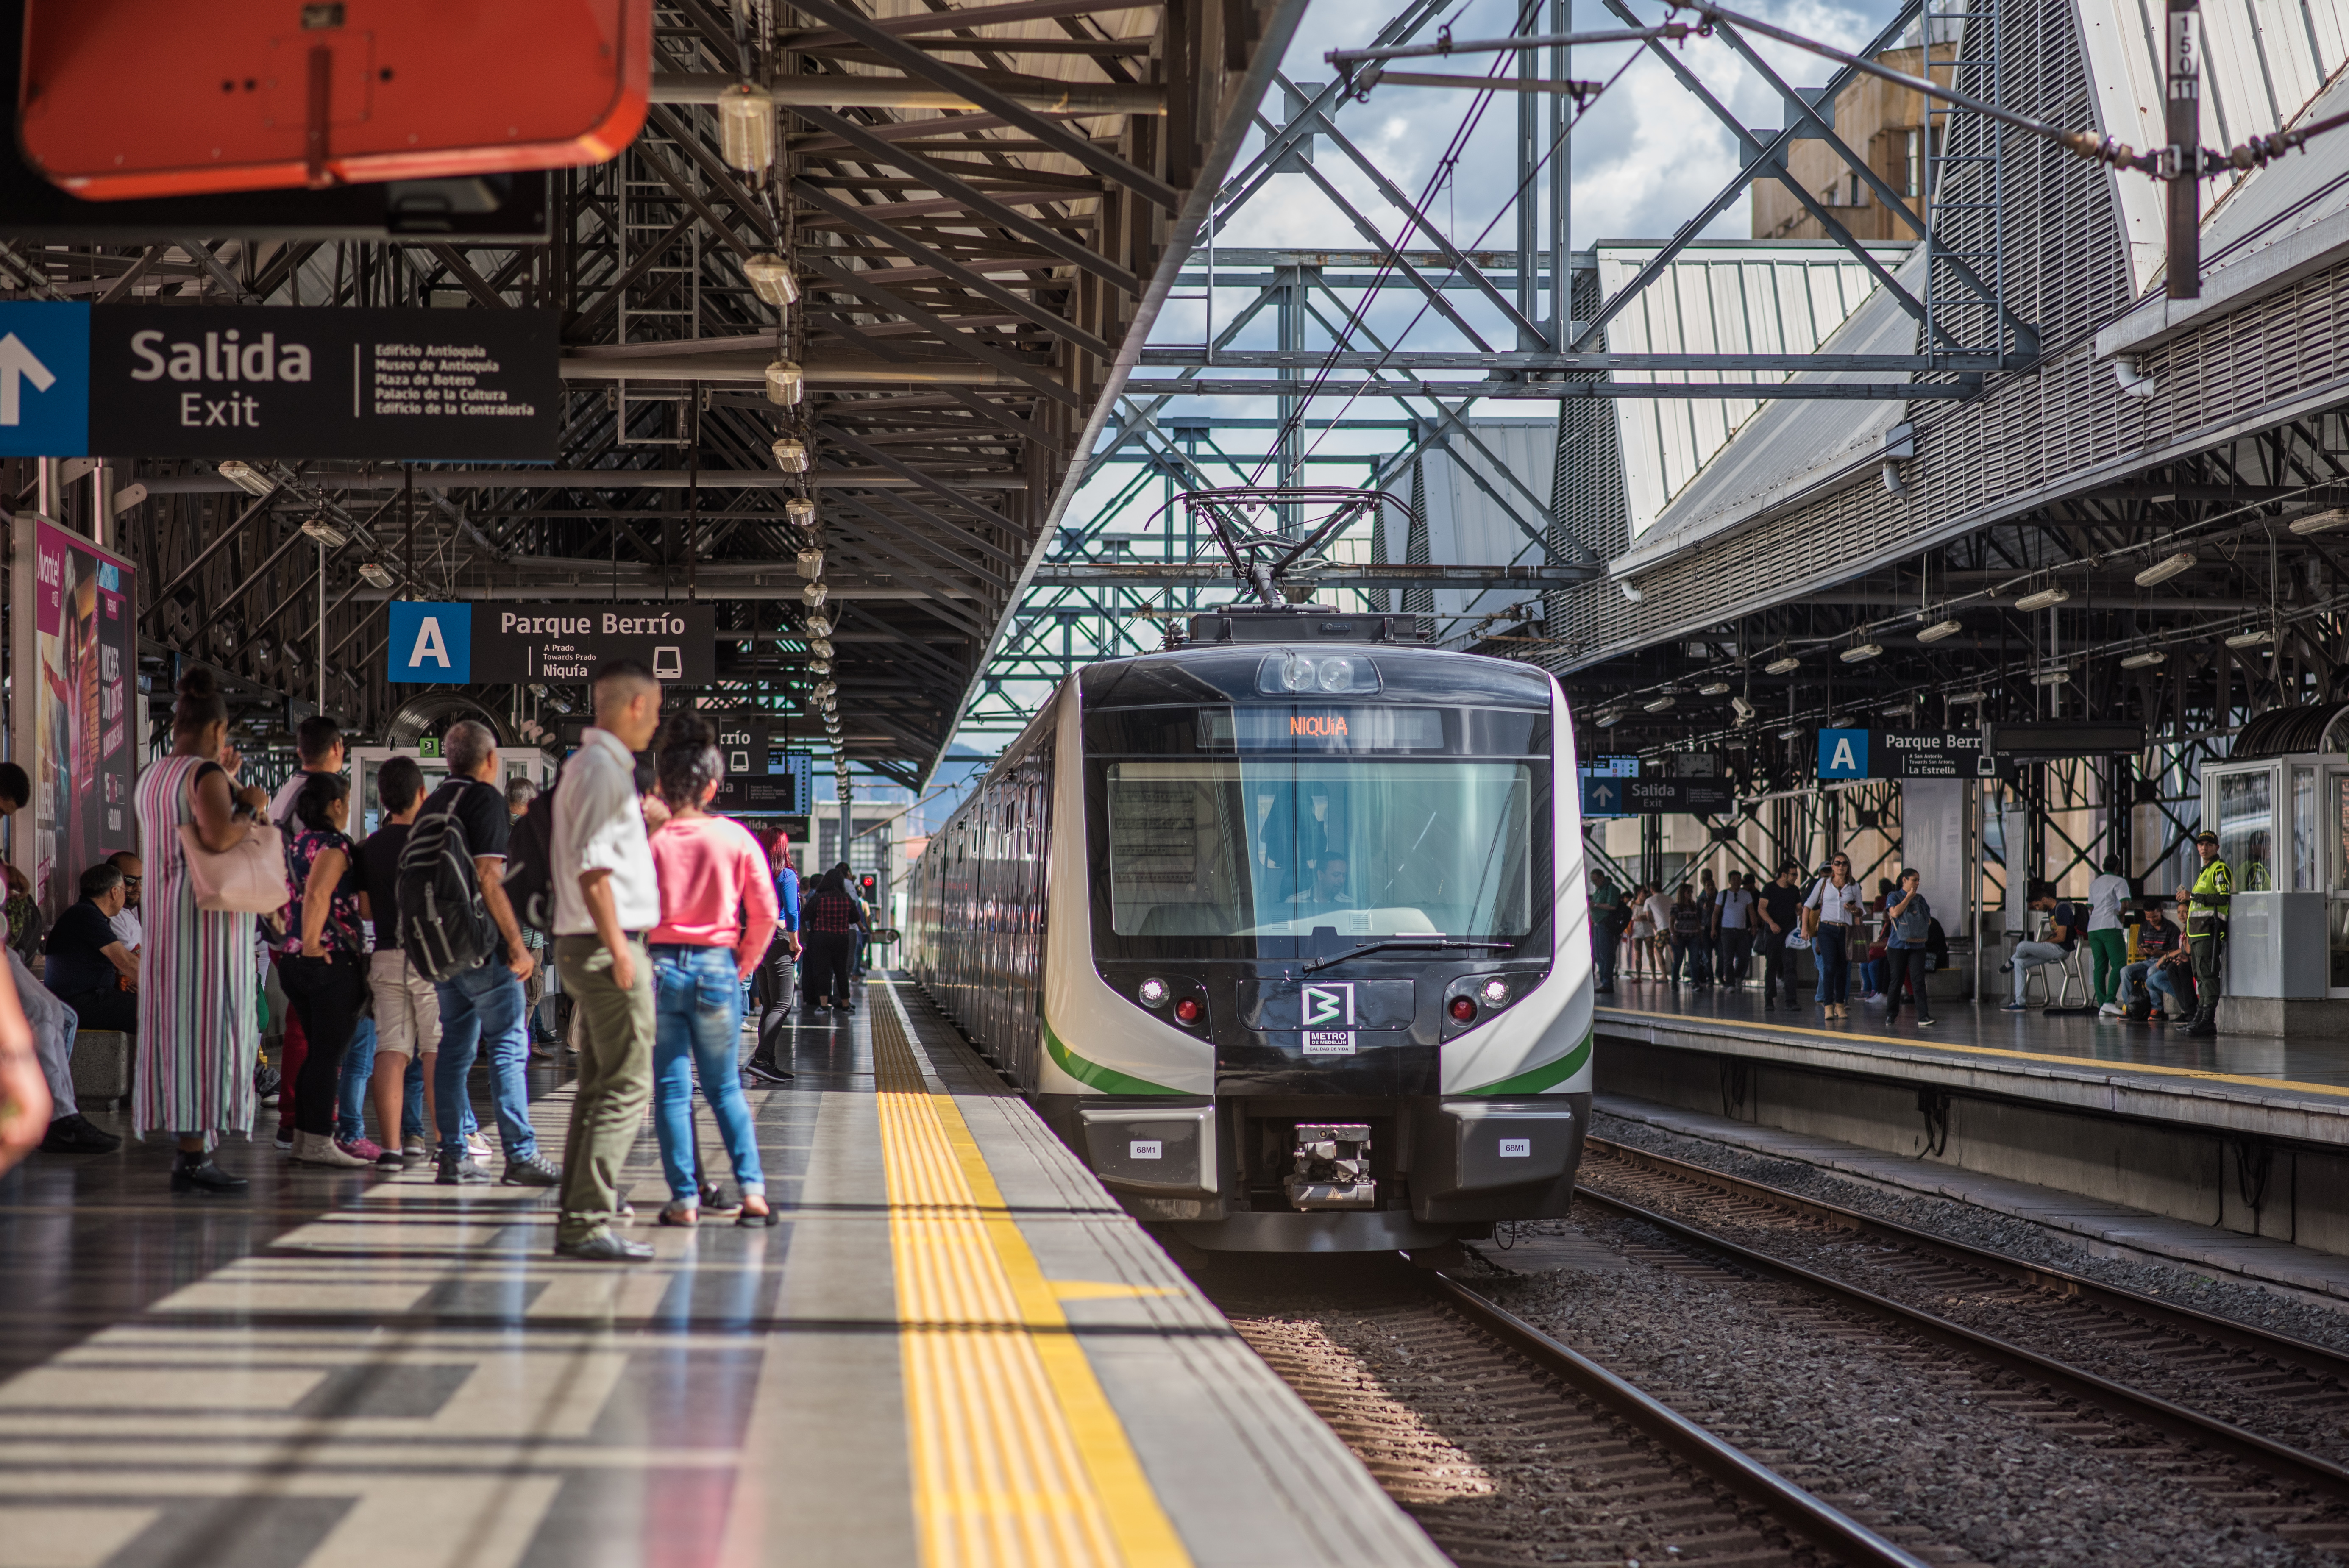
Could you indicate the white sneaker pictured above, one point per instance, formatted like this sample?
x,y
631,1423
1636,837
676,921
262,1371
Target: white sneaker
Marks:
x,y
325,1150
478,1146
2112,1010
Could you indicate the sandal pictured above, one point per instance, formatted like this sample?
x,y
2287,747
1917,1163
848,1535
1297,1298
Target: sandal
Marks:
x,y
750,1221
685,1214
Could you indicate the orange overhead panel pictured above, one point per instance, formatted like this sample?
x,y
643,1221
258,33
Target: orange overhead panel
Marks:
x,y
124,99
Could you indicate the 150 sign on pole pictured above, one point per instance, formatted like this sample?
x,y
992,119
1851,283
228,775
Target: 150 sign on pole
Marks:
x,y
256,381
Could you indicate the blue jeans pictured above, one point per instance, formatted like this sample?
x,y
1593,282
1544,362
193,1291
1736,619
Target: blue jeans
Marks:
x,y
484,1004
1831,953
697,1027
2164,986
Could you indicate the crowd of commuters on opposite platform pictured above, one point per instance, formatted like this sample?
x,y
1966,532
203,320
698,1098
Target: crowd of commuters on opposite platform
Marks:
x,y
2108,951
410,954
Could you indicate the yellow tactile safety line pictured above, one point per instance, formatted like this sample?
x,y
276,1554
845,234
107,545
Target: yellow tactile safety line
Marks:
x,y
2204,1074
1019,1459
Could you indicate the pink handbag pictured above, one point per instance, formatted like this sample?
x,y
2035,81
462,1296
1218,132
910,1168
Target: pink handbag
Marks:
x,y
247,879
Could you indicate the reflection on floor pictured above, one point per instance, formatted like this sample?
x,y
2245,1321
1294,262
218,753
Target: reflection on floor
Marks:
x,y
330,1368
2317,1065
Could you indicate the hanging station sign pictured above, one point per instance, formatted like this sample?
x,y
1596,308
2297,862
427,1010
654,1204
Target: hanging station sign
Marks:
x,y
279,381
512,642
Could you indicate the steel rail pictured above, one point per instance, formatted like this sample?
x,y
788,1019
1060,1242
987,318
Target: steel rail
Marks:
x,y
2279,1460
1805,1516
2315,1359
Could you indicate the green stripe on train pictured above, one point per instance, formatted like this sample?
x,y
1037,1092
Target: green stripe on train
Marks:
x,y
1536,1080
1093,1074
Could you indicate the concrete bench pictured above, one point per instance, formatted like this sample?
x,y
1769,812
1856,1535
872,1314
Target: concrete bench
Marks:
x,y
102,1067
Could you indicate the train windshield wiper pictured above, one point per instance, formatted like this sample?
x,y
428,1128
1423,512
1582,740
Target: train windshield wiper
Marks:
x,y
1388,942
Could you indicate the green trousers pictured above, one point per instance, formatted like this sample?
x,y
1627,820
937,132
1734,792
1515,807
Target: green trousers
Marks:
x,y
616,1079
2111,951
2206,974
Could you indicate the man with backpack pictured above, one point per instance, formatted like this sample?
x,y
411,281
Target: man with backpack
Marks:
x,y
458,929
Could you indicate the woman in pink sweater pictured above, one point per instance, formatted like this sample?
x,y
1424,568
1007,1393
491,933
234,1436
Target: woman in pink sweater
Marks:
x,y
718,915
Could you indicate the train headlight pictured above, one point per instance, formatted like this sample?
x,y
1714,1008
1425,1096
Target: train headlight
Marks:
x,y
1284,673
1187,1010
1464,1009
1495,992
1152,992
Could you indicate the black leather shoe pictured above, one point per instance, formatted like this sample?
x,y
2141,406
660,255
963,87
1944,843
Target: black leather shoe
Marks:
x,y
531,1172
460,1170
606,1248
74,1133
766,1074
198,1174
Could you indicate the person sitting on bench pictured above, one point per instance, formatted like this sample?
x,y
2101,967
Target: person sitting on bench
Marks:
x,y
89,969
2065,924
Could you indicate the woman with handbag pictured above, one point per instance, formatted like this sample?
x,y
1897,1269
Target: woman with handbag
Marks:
x,y
193,1078
320,966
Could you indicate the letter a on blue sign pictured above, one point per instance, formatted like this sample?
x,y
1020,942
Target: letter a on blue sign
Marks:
x,y
430,643
43,380
1843,754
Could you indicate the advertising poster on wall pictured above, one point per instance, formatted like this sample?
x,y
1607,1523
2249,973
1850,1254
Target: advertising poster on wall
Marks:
x,y
77,738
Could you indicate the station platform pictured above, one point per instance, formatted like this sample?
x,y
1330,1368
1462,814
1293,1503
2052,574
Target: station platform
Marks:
x,y
954,1349
2256,1084
2248,1134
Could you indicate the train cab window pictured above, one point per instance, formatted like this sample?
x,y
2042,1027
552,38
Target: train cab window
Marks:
x,y
1274,847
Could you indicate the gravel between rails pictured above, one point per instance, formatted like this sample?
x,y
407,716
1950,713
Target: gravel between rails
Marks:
x,y
2299,1316
1498,1461
2300,1409
1901,1434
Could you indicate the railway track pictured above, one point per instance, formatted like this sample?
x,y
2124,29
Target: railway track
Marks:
x,y
2227,1388
1510,1447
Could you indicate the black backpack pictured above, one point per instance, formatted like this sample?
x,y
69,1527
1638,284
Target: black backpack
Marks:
x,y
444,926
529,880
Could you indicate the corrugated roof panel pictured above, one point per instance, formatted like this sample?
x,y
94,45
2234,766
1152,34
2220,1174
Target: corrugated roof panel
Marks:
x,y
1728,298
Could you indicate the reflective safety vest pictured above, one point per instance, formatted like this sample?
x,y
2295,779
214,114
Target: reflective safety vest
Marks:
x,y
2212,890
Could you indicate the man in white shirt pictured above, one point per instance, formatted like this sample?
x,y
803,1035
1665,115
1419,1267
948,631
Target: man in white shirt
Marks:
x,y
2107,940
125,922
605,899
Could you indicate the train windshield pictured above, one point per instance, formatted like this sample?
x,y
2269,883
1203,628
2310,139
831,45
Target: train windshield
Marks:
x,y
1275,847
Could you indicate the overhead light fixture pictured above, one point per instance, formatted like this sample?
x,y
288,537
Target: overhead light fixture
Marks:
x,y
1782,664
821,647
1609,717
1792,732
326,533
2051,678
1660,705
376,576
245,477
2314,522
2251,639
771,279
1714,688
824,689
814,595
1742,708
2170,566
819,667
2145,661
785,383
2047,598
745,127
1862,654
800,512
811,564
819,625
1940,629
1959,698
790,454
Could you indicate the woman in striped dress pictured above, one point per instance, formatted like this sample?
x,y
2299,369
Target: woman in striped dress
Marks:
x,y
196,979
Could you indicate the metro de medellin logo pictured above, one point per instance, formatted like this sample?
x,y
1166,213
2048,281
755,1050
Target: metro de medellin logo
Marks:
x,y
1328,1007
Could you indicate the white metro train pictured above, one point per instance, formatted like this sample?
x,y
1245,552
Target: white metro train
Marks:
x,y
1284,932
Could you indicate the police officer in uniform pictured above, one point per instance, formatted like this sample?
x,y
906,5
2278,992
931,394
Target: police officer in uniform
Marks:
x,y
2206,918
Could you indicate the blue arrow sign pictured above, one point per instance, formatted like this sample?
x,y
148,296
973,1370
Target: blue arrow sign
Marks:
x,y
1603,798
44,380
